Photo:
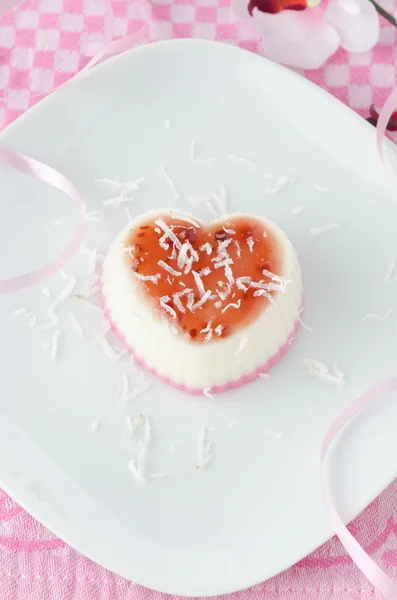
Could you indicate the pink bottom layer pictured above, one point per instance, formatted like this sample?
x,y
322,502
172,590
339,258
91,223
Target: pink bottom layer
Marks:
x,y
230,385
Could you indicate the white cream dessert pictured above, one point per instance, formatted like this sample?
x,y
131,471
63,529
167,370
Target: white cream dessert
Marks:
x,y
204,306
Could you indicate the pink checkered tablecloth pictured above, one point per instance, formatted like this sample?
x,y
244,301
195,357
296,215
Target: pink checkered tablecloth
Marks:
x,y
44,43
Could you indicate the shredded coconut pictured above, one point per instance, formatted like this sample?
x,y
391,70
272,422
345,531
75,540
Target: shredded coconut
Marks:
x,y
138,468
314,231
202,451
137,391
242,160
297,210
279,184
131,423
303,324
168,233
65,293
46,292
97,339
206,248
199,283
163,173
390,271
250,243
124,186
207,394
19,312
168,268
276,434
95,425
318,369
54,344
95,215
202,301
379,317
232,305
168,309
110,351
263,375
218,329
152,278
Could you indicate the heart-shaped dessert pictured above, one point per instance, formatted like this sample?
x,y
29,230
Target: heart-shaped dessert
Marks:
x,y
203,306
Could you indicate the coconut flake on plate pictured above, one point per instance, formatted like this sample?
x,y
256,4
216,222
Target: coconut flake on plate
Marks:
x,y
137,391
314,231
20,312
390,270
110,351
46,292
126,187
232,305
95,215
207,393
379,317
131,424
297,210
202,448
318,369
165,175
276,434
137,468
263,375
242,160
95,425
64,295
55,344
279,184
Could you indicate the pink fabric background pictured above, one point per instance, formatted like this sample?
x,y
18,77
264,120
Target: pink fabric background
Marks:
x,y
41,45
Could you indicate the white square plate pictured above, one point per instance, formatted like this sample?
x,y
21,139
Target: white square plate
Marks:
x,y
257,508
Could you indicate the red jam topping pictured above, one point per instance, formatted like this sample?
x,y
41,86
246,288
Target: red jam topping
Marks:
x,y
207,281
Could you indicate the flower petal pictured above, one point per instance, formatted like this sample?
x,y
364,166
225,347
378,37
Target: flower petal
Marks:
x,y
297,39
356,21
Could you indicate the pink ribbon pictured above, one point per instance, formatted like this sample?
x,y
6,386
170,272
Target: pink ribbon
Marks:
x,y
373,573
47,174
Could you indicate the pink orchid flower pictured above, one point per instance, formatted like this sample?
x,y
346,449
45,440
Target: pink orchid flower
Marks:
x,y
304,33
